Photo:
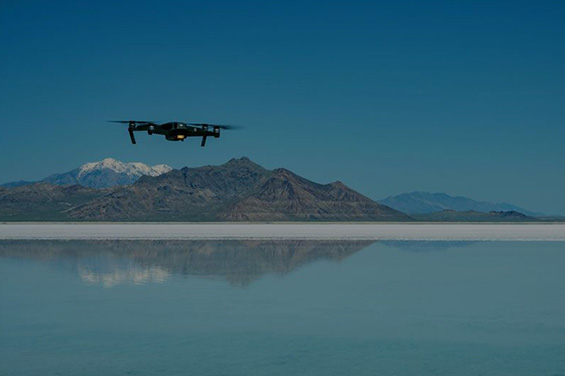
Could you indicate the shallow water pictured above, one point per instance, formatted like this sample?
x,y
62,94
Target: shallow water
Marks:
x,y
281,308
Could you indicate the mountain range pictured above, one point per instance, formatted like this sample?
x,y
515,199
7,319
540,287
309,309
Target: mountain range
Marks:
x,y
425,203
473,216
103,174
238,190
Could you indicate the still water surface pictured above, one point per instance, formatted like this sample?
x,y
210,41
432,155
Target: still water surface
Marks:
x,y
282,308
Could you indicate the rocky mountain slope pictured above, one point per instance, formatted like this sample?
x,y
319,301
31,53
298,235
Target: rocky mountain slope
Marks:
x,y
238,190
103,174
43,201
284,195
425,202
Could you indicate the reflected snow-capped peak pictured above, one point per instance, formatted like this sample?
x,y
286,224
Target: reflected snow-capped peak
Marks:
x,y
133,275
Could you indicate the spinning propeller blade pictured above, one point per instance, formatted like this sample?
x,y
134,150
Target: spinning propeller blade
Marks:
x,y
221,126
131,121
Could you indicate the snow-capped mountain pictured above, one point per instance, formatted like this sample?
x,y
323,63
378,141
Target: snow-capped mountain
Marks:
x,y
103,174
134,169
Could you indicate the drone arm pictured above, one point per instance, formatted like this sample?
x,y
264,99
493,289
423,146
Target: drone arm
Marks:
x,y
131,135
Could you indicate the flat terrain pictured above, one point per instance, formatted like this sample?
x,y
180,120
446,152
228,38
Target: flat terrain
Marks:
x,y
337,231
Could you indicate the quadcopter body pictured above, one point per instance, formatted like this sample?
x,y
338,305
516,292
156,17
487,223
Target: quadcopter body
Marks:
x,y
174,130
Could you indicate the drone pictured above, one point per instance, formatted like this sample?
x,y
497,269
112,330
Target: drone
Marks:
x,y
175,130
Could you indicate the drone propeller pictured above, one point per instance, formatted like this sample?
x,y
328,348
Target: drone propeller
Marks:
x,y
131,121
225,126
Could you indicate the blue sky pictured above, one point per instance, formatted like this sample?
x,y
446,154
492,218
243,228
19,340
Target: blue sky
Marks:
x,y
463,97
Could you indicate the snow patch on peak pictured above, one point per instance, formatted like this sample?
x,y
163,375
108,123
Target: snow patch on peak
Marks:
x,y
161,169
134,169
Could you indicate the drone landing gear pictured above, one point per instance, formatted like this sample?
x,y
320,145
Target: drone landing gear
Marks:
x,y
131,135
203,141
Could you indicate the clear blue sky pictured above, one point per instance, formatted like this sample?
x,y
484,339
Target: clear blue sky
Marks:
x,y
463,97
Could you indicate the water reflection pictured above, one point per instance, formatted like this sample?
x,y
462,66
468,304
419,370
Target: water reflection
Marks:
x,y
111,263
426,245
127,274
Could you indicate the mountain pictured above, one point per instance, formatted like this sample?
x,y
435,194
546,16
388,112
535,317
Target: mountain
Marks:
x,y
284,195
424,202
239,190
474,216
19,183
103,174
42,201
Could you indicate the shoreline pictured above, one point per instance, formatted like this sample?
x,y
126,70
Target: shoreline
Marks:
x,y
279,231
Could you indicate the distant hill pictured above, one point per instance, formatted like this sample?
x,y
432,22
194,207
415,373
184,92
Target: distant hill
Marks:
x,y
424,202
474,216
103,174
43,201
239,190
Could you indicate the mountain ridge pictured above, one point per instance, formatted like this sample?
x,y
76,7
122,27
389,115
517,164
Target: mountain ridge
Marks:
x,y
106,173
418,202
238,190
475,216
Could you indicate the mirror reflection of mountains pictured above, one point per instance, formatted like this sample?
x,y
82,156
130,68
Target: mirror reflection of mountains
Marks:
x,y
140,261
419,246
